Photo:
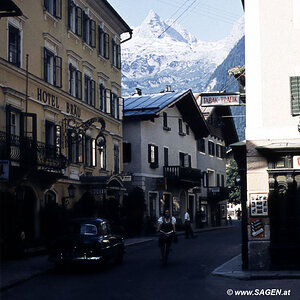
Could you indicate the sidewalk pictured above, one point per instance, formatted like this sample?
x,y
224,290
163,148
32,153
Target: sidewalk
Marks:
x,y
17,271
233,269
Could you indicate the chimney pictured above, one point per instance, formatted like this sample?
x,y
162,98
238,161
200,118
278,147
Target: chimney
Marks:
x,y
138,91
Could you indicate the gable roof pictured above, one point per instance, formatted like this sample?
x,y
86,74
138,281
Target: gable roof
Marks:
x,y
146,107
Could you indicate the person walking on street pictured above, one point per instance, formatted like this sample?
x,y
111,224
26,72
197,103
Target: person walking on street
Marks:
x,y
187,225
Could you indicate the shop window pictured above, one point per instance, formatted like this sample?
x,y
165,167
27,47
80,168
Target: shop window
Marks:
x,y
116,54
103,41
89,30
75,82
74,18
153,156
152,203
14,45
89,90
53,7
52,68
116,159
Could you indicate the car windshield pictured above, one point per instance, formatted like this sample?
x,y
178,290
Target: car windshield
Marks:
x,y
88,229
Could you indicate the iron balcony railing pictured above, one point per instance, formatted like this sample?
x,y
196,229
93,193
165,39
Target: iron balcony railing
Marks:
x,y
28,153
183,174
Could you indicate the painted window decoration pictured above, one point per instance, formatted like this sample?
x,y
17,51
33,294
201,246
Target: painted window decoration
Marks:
x,y
53,7
259,204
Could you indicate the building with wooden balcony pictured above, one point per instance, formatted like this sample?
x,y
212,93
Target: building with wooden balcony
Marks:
x,y
211,158
60,109
160,150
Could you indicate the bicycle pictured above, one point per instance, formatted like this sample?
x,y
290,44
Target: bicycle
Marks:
x,y
165,241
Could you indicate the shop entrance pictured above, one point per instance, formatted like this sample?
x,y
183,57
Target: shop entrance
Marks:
x,y
284,205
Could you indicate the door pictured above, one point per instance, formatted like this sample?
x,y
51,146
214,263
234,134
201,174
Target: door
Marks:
x,y
191,206
284,203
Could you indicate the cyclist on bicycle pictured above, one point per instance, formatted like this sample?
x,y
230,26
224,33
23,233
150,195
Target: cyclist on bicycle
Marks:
x,y
166,224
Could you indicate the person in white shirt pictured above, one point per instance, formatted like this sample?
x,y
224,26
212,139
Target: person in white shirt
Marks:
x,y
187,225
166,223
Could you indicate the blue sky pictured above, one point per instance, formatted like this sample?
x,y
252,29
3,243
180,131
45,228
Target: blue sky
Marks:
x,y
207,20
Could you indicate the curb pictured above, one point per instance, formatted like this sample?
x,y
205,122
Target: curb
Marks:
x,y
232,269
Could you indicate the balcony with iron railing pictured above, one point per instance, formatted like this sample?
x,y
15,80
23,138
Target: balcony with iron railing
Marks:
x,y
30,154
183,175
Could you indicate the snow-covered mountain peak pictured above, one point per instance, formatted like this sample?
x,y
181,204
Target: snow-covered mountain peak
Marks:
x,y
163,52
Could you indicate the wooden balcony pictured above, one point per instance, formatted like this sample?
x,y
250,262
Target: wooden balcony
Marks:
x,y
183,175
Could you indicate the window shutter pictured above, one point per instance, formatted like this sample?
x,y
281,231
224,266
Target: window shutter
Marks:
x,y
93,91
78,21
94,153
156,155
295,95
190,160
78,84
58,8
84,29
45,64
93,33
106,45
70,78
121,103
69,13
126,152
118,57
149,153
108,108
58,72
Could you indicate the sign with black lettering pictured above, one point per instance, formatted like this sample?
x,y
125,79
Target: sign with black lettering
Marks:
x,y
47,98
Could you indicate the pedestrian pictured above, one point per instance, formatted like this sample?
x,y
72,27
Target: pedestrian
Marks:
x,y
230,220
187,225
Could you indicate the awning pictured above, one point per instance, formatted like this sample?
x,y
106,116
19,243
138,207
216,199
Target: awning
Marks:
x,y
279,148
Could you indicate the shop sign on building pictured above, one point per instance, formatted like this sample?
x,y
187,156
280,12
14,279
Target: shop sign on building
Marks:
x,y
219,99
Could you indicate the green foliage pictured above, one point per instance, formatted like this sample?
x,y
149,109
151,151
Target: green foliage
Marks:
x,y
233,187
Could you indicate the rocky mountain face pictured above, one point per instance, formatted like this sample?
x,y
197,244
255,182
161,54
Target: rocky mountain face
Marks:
x,y
158,55
163,53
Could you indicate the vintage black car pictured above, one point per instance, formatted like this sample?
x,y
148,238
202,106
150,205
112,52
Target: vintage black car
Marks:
x,y
88,240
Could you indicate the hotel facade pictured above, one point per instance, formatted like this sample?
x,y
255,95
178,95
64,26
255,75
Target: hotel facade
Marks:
x,y
60,109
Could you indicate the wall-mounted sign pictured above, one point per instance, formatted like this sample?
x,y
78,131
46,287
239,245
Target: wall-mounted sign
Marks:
x,y
296,162
4,170
47,98
126,178
73,109
220,99
257,228
258,204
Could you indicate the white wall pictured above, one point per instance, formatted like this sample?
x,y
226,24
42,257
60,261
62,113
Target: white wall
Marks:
x,y
272,29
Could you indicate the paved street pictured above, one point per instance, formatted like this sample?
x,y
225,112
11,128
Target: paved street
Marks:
x,y
187,276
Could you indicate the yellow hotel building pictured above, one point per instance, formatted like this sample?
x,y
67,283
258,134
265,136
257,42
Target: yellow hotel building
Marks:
x,y
60,110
